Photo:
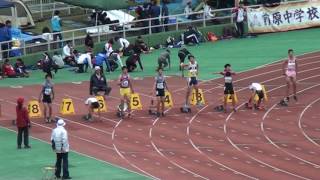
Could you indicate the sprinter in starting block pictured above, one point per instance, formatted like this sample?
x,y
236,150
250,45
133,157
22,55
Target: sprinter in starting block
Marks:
x,y
257,90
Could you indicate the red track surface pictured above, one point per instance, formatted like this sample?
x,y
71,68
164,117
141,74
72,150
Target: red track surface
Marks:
x,y
279,143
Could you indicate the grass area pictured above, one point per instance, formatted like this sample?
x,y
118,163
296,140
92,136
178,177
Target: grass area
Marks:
x,y
243,54
28,164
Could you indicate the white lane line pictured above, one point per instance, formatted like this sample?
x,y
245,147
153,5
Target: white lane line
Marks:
x,y
81,124
164,156
122,156
262,162
208,157
300,123
85,155
262,66
70,134
83,100
272,142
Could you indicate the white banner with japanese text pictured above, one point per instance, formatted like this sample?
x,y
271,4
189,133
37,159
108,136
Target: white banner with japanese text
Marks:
x,y
284,17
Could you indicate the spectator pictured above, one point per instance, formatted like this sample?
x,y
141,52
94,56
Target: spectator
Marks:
x,y
47,64
58,60
114,60
20,68
68,54
240,13
84,61
5,35
46,34
89,43
23,124
56,26
189,12
100,59
142,45
190,36
108,47
8,70
164,59
124,45
98,83
132,60
165,13
155,13
60,144
207,11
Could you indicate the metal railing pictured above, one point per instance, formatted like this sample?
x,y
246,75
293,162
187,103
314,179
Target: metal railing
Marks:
x,y
45,8
129,29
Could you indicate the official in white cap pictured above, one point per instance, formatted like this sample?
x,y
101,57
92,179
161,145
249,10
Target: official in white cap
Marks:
x,y
60,144
98,83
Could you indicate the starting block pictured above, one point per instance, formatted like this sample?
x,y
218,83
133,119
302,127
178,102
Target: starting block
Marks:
x,y
121,114
152,108
283,103
219,108
34,109
185,109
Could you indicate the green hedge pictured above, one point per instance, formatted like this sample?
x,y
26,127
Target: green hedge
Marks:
x,y
151,40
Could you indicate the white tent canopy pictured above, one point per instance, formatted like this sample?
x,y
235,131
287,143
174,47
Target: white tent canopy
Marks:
x,y
15,11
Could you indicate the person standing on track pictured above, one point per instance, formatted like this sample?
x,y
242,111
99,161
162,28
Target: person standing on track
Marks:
x,y
182,54
125,90
160,86
228,86
46,97
60,144
23,124
290,70
193,69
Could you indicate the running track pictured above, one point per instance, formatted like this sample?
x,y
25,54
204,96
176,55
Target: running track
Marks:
x,y
278,143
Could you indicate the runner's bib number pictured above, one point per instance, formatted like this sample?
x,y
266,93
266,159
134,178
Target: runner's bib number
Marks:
x,y
47,91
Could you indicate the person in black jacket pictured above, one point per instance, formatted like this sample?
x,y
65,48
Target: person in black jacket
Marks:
x,y
98,83
190,36
182,54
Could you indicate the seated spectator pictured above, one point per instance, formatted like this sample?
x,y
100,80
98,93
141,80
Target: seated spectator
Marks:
x,y
98,83
20,68
132,60
189,12
190,36
46,34
15,50
47,65
125,47
8,70
114,60
68,55
208,11
142,45
84,61
108,47
58,60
